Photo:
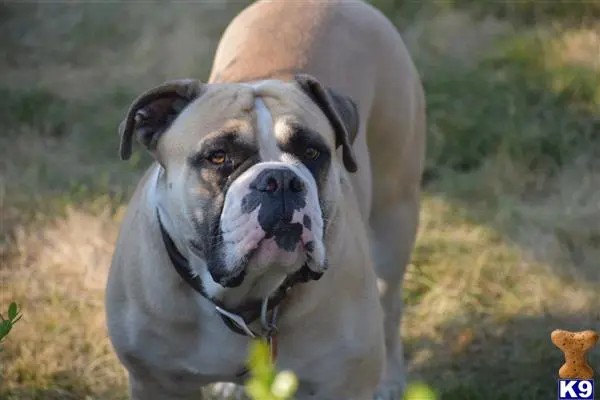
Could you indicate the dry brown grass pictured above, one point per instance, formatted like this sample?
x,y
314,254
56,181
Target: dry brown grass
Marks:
x,y
504,255
57,277
581,47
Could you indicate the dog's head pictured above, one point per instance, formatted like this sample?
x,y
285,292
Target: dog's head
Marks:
x,y
249,176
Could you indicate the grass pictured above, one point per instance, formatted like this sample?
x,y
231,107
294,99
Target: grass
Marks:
x,y
509,240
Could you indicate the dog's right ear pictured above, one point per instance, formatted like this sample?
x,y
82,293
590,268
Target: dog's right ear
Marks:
x,y
152,112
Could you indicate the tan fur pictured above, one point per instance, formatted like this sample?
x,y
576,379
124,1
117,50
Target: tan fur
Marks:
x,y
332,331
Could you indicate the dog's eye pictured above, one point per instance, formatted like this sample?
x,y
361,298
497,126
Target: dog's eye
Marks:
x,y
311,153
217,157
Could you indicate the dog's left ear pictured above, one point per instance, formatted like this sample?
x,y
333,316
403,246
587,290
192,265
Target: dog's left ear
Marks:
x,y
340,110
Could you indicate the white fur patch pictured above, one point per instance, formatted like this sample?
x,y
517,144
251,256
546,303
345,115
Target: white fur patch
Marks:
x,y
266,139
152,184
212,288
381,286
283,128
154,202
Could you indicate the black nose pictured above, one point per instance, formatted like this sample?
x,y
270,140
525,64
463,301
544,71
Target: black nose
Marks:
x,y
279,181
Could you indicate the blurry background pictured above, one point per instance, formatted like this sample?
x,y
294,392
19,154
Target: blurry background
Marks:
x,y
509,246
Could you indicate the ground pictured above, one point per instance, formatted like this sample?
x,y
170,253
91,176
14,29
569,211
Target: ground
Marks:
x,y
509,241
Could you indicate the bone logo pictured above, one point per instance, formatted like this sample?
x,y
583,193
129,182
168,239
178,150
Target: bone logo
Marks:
x,y
575,374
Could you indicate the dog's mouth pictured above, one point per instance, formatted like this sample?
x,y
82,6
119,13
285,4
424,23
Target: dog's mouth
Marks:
x,y
256,254
268,252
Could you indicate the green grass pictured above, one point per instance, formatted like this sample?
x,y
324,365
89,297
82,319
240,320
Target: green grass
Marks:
x,y
509,241
534,12
522,12
539,116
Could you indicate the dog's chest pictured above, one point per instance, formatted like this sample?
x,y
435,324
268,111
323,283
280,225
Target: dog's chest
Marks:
x,y
194,356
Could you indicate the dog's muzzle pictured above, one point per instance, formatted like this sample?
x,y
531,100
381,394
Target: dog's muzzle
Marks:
x,y
271,218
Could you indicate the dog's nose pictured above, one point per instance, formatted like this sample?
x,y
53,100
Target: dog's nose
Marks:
x,y
280,181
280,192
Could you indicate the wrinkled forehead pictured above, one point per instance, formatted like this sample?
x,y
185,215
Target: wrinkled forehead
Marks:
x,y
255,110
289,106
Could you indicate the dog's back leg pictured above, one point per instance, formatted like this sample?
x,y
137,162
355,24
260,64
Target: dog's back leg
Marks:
x,y
393,238
396,146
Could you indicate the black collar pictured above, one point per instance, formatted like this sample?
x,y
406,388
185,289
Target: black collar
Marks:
x,y
248,312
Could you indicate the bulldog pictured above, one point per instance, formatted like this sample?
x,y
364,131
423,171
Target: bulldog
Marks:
x,y
282,204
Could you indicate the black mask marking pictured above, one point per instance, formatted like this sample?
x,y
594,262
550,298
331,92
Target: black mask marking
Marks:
x,y
307,222
279,193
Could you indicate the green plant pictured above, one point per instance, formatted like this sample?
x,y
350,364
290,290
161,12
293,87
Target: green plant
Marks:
x,y
6,324
419,391
538,111
265,382
531,12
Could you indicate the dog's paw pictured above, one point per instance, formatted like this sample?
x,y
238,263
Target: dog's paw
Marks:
x,y
228,391
389,391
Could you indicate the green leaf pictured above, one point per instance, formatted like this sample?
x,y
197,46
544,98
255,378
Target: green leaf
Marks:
x,y
284,385
419,391
12,311
260,362
257,390
5,327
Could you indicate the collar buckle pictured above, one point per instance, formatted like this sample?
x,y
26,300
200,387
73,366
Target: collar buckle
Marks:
x,y
237,321
268,327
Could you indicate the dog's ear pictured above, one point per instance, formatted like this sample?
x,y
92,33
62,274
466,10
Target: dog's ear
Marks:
x,y
154,110
340,110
